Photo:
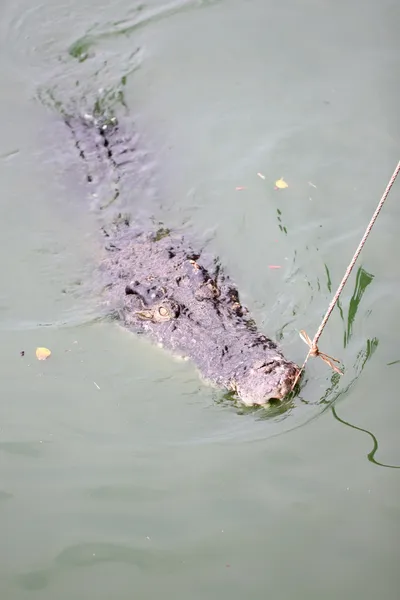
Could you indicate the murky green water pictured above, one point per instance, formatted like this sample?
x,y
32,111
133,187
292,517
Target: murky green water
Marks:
x,y
122,476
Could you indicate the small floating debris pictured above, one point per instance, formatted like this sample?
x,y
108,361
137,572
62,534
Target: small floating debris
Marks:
x,y
261,175
281,184
42,353
239,188
312,184
274,267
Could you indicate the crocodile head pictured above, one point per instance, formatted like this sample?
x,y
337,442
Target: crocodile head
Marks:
x,y
190,306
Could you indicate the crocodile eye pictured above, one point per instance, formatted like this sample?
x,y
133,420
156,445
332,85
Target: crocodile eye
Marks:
x,y
164,313
168,310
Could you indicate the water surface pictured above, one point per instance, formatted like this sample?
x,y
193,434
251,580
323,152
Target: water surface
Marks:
x,y
121,473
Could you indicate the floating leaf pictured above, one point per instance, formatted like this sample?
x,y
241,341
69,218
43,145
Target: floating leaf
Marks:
x,y
281,184
42,353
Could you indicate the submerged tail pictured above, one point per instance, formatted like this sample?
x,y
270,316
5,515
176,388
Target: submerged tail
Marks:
x,y
116,167
119,170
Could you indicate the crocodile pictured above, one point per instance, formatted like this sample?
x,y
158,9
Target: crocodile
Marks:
x,y
157,284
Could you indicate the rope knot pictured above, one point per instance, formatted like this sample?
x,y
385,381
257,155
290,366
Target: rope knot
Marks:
x,y
314,351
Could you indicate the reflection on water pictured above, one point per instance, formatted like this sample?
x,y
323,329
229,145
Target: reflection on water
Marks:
x,y
138,16
328,279
370,455
363,279
362,358
333,392
364,355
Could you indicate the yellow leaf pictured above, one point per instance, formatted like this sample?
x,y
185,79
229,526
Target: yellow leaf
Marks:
x,y
42,353
281,184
